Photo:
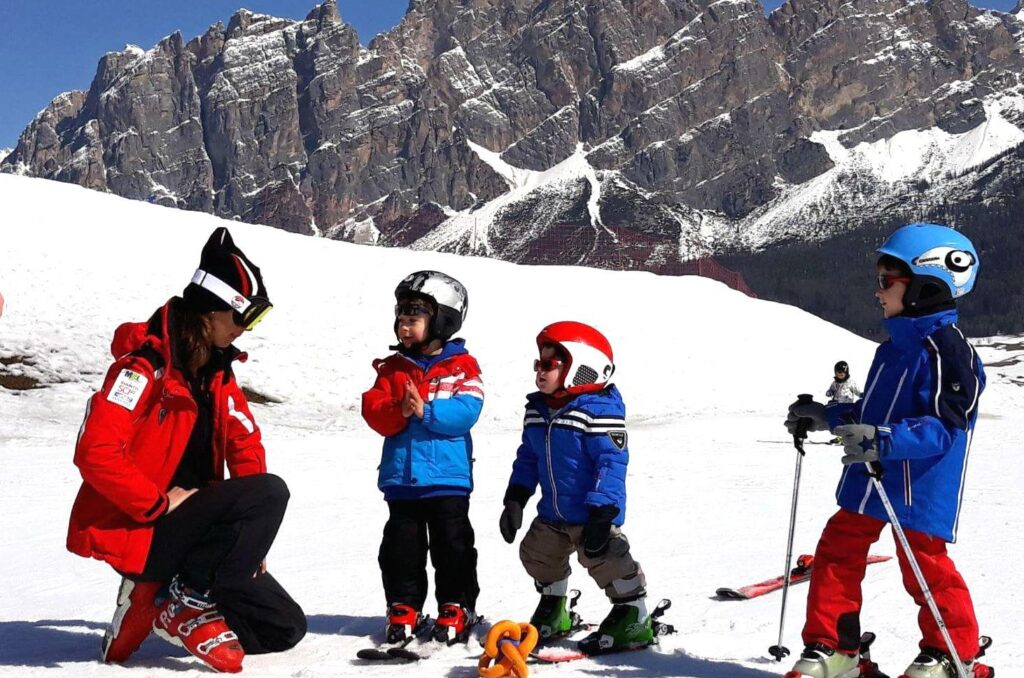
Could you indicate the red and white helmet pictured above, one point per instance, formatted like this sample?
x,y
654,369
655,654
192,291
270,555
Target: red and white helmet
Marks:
x,y
591,363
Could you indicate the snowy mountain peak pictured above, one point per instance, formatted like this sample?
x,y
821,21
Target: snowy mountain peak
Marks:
x,y
704,124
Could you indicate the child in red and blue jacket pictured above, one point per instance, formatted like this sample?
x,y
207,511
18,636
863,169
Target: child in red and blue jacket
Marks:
x,y
575,448
914,426
425,400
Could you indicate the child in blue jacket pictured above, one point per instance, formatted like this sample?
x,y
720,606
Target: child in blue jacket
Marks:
x,y
914,424
574,447
425,399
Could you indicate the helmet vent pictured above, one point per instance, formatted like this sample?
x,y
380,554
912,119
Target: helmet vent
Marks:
x,y
584,375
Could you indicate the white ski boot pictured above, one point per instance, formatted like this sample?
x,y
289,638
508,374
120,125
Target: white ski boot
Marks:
x,y
821,661
933,663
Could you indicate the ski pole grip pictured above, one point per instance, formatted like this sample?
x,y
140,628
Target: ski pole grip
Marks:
x,y
803,424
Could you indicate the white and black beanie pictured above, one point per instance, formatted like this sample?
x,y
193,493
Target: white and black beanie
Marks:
x,y
226,280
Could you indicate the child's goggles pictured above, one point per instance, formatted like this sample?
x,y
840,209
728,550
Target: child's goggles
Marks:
x,y
885,281
411,307
547,364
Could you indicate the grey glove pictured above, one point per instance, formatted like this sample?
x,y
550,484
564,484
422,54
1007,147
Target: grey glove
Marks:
x,y
859,443
813,412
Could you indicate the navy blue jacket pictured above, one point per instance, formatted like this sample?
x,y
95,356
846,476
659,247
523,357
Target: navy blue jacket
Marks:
x,y
922,395
577,454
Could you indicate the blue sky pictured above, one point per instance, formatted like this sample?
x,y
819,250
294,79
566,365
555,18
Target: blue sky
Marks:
x,y
51,46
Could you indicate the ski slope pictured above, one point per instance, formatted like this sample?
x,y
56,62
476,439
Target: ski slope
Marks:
x,y
706,373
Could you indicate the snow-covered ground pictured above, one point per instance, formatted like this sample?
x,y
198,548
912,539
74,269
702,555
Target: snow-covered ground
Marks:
x,y
706,373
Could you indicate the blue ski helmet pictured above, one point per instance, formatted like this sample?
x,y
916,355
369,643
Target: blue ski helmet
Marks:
x,y
943,263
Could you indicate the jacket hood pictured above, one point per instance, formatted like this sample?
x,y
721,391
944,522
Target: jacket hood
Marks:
x,y
130,337
908,332
611,392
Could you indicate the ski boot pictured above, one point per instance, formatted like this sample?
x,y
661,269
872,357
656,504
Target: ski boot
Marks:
x,y
136,611
627,627
404,624
821,661
190,619
453,624
554,617
933,663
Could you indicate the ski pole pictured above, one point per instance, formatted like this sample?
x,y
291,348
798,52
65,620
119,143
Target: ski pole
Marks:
x,y
875,471
780,651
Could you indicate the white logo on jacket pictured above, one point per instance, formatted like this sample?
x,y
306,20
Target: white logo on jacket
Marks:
x,y
127,389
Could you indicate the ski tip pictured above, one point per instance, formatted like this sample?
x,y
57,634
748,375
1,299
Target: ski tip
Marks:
x,y
728,594
549,657
404,654
373,654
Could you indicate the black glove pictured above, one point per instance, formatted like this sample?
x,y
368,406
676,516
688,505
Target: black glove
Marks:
x,y
813,413
597,530
512,517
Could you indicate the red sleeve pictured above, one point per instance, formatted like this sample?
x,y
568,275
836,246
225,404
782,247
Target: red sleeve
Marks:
x,y
243,450
382,408
101,453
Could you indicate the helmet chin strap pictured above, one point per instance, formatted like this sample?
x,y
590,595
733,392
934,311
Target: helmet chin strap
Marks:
x,y
417,349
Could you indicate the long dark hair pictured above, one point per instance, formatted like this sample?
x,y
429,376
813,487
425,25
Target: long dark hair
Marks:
x,y
192,344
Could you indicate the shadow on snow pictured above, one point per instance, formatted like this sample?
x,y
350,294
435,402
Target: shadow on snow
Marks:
x,y
648,665
49,643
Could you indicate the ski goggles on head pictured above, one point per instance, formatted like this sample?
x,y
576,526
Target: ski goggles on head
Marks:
x,y
412,307
885,281
547,364
251,317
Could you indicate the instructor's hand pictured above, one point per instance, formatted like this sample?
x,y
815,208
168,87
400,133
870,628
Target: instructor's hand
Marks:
x,y
177,495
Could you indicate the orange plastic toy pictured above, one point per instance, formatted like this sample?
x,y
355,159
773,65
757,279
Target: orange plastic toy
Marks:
x,y
506,648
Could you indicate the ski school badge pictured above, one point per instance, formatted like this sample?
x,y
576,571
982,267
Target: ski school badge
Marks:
x,y
127,389
618,439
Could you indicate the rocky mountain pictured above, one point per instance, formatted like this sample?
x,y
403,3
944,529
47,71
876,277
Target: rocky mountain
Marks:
x,y
615,133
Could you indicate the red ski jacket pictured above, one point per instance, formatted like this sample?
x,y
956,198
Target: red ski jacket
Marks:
x,y
135,431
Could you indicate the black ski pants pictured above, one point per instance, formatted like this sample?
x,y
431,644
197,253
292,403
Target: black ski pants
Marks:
x,y
441,526
215,541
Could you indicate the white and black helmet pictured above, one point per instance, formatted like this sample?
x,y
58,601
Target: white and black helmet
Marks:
x,y
447,295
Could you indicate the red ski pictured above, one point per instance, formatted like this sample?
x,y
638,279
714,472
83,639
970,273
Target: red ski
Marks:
x,y
800,573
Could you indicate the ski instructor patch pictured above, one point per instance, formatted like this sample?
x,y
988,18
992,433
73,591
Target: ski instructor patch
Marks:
x,y
127,389
618,439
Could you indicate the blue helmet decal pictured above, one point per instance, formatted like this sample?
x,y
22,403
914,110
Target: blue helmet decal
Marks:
x,y
937,252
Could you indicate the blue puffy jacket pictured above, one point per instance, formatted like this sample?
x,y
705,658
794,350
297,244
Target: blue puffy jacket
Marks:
x,y
432,456
577,454
922,395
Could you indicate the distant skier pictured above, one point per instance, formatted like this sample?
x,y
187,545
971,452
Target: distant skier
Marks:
x,y
154,503
575,447
915,424
425,400
843,389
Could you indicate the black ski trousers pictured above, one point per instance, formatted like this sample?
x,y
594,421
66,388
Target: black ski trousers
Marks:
x,y
215,541
441,526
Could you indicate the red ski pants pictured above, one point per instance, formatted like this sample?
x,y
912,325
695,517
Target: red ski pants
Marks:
x,y
834,601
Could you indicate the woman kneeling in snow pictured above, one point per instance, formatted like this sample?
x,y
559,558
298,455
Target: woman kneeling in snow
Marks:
x,y
154,503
